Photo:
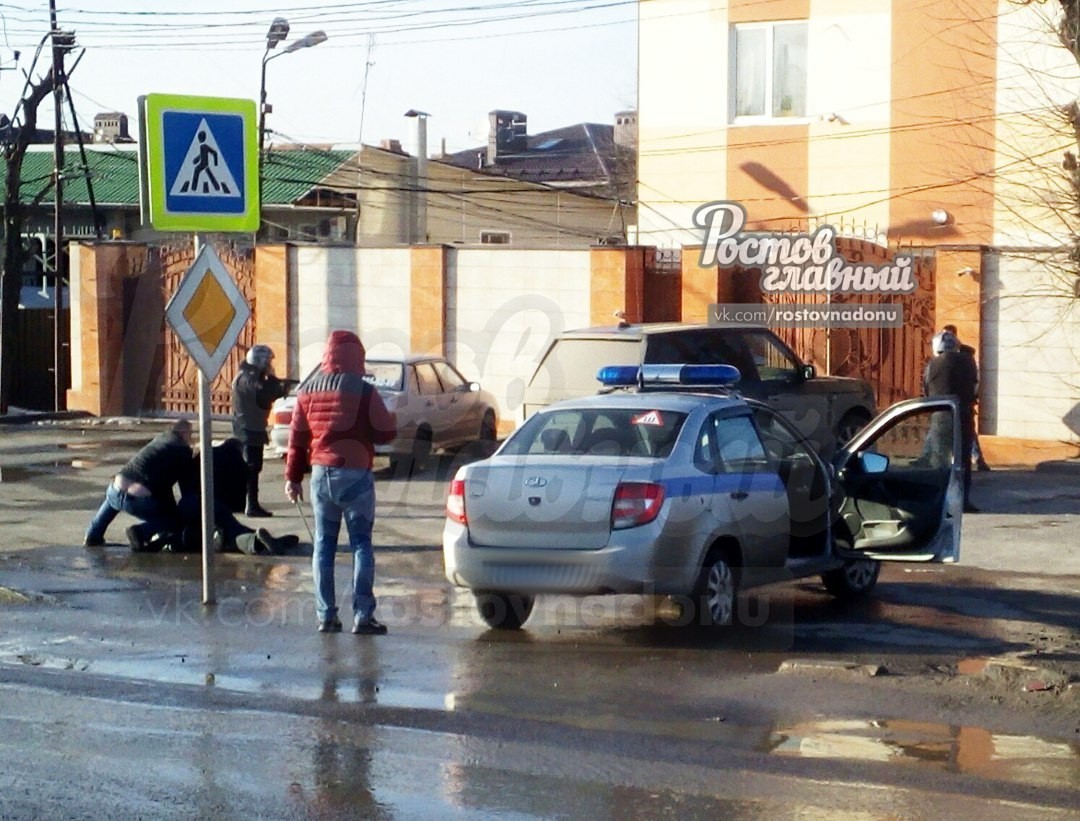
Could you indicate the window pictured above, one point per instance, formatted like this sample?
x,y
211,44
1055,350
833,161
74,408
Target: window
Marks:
x,y
730,444
770,70
772,361
494,237
451,379
389,375
429,382
622,432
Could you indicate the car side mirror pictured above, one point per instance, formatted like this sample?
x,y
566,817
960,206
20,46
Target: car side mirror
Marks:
x,y
808,372
873,463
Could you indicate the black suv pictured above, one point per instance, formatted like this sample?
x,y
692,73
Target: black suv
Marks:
x,y
827,410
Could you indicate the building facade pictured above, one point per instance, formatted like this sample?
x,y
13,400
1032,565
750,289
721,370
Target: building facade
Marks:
x,y
932,126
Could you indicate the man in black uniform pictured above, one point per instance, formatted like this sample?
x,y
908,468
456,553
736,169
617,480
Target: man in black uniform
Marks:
x,y
144,489
253,392
976,450
953,373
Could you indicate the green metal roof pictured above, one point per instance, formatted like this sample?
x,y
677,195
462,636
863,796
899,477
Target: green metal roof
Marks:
x,y
288,175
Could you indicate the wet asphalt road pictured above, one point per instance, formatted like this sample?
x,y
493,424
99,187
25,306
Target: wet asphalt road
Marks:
x,y
114,674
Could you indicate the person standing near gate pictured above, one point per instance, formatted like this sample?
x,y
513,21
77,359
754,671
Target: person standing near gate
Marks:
x,y
953,373
338,419
253,393
976,449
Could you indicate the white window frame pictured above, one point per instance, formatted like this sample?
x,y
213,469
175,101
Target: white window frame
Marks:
x,y
767,116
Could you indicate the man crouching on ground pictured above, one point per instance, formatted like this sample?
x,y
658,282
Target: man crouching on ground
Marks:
x,y
338,419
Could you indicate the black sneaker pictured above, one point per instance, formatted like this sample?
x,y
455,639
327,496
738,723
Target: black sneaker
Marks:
x,y
137,542
271,545
257,512
330,625
93,541
369,627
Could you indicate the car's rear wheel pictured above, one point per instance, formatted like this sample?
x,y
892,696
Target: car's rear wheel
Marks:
x,y
850,424
504,611
416,460
717,589
488,433
854,579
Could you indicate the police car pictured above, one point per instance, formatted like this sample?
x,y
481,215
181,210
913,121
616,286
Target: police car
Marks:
x,y
654,488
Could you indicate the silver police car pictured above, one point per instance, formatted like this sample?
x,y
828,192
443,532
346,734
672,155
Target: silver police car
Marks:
x,y
696,496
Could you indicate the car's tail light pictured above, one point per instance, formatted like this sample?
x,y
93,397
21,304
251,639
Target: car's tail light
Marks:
x,y
283,417
636,503
455,502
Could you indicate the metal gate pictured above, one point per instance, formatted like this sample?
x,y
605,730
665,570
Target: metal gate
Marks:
x,y
180,382
35,382
662,285
892,359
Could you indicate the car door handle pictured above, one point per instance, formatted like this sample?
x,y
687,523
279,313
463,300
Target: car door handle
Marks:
x,y
739,495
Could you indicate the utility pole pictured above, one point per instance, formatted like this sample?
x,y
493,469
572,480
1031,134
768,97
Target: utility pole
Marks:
x,y
58,195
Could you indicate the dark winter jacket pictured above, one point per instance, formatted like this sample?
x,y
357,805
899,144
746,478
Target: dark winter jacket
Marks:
x,y
339,417
953,373
162,464
253,393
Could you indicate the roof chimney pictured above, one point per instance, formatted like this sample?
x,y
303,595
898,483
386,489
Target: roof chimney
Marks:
x,y
508,133
626,133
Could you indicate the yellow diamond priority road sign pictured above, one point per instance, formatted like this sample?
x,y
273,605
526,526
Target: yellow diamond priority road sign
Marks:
x,y
207,312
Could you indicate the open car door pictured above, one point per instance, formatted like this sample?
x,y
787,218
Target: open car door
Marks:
x,y
901,483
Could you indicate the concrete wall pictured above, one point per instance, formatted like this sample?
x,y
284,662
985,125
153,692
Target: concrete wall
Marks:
x,y
491,312
505,307
362,289
1031,353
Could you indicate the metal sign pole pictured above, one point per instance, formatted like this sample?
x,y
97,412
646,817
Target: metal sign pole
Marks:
x,y
179,135
206,465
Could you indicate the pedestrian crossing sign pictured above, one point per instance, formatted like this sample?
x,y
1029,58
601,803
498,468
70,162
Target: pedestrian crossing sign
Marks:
x,y
199,163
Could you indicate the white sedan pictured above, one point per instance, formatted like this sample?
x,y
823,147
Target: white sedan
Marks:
x,y
696,496
436,408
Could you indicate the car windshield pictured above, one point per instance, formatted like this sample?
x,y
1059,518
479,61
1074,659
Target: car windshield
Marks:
x,y
598,432
386,375
704,346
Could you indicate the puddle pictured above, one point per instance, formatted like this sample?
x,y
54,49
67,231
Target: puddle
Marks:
x,y
338,688
970,750
21,473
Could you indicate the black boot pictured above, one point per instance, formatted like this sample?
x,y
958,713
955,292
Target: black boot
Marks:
x,y
254,510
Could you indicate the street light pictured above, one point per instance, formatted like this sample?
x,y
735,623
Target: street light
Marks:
x,y
279,30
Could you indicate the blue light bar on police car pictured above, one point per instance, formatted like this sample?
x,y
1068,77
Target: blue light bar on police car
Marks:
x,y
668,374
618,375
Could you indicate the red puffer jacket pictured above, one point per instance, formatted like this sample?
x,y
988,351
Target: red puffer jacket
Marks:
x,y
338,418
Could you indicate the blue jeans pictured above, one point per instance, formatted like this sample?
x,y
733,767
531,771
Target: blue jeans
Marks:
x,y
158,519
338,493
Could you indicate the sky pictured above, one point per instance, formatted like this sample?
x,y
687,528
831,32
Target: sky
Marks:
x,y
560,62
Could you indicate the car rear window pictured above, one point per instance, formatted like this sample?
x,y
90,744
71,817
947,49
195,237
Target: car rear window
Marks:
x,y
598,432
572,364
388,375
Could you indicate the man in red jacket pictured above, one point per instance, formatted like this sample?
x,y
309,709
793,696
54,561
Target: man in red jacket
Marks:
x,y
338,419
